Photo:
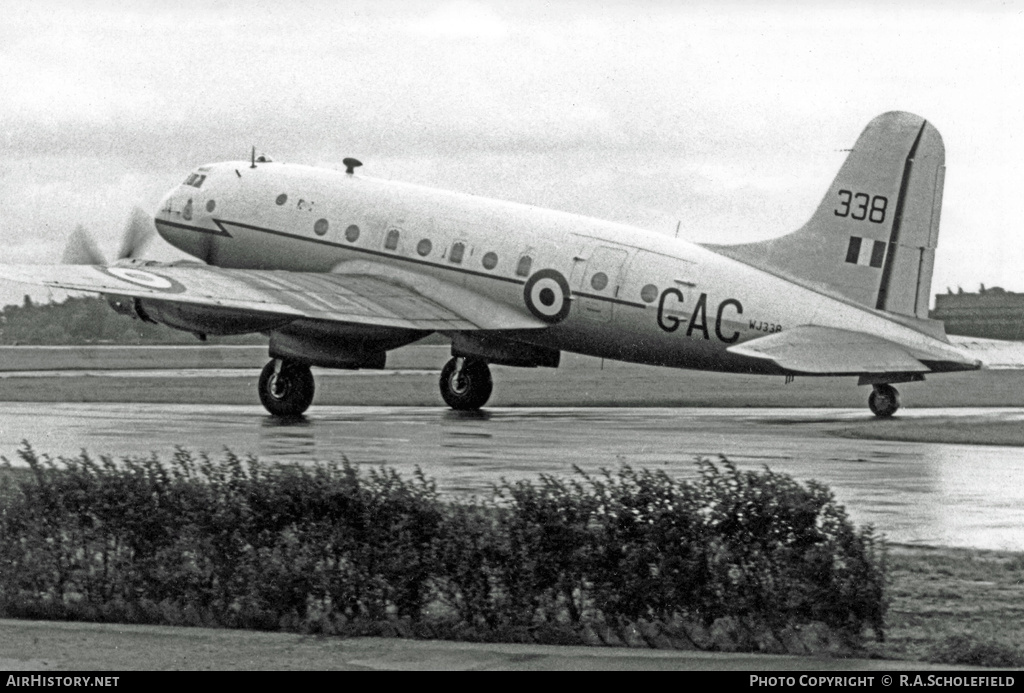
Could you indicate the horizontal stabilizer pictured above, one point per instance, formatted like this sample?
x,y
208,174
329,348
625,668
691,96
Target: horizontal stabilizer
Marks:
x,y
827,350
993,353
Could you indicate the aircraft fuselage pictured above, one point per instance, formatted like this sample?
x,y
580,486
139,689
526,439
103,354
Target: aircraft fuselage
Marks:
x,y
633,295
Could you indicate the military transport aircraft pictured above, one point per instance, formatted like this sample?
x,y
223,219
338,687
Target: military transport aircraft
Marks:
x,y
337,269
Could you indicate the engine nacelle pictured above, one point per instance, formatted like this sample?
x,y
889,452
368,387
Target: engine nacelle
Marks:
x,y
127,305
503,351
334,345
202,320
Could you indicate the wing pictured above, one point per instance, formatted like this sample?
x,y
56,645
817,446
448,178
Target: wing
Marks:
x,y
364,294
820,350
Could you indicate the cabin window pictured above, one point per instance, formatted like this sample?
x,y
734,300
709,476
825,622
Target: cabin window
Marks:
x,y
423,247
391,242
281,199
490,261
649,293
599,281
523,268
210,205
320,227
455,255
352,233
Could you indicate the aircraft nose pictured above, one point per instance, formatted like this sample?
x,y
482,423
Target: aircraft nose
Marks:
x,y
164,215
173,218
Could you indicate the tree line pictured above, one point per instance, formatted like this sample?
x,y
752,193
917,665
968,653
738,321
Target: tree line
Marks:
x,y
89,320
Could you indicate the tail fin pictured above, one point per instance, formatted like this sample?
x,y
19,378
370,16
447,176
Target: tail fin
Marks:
x,y
874,235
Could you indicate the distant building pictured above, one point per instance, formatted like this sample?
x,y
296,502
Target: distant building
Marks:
x,y
993,313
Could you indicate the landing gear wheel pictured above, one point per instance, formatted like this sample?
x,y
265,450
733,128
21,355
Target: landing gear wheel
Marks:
x,y
884,401
286,388
466,383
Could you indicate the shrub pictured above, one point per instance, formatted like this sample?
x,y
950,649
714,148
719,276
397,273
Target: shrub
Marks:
x,y
327,548
974,651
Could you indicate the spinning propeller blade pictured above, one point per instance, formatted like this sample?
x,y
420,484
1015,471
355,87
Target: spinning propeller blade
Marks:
x,y
81,248
137,234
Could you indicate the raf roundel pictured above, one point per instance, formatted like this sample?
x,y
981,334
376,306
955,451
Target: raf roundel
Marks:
x,y
142,278
547,296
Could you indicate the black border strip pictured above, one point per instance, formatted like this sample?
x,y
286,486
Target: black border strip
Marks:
x,y
200,229
610,300
378,253
221,224
894,236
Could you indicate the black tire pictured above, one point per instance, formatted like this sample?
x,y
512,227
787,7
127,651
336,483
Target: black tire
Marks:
x,y
884,401
290,392
471,389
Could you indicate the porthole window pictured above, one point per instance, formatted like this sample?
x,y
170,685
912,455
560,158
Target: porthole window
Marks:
x,y
456,253
210,205
186,213
352,233
523,268
599,281
490,261
281,199
649,293
423,247
320,227
391,242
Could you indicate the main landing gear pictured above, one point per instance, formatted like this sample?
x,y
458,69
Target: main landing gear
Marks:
x,y
466,383
884,400
286,388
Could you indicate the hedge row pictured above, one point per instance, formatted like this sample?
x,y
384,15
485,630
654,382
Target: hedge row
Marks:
x,y
238,543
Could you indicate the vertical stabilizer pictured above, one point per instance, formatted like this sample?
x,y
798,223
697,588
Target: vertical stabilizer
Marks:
x,y
874,235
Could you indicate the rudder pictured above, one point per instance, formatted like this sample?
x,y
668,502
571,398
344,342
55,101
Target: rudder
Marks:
x,y
874,235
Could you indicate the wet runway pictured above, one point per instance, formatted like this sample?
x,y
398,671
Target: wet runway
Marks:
x,y
920,493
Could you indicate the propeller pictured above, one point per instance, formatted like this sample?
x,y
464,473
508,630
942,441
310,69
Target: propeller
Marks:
x,y
81,248
137,234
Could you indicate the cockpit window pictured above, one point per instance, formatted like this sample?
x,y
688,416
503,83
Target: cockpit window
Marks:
x,y
195,180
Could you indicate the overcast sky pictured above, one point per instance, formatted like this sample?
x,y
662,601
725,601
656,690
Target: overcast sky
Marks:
x,y
727,118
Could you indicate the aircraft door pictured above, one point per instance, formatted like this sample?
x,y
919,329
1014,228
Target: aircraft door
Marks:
x,y
600,282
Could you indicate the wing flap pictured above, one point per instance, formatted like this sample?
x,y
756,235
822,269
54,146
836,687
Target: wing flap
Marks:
x,y
826,350
414,302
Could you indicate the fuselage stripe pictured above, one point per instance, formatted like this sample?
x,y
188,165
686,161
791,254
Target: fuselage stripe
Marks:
x,y
187,227
221,224
377,253
609,299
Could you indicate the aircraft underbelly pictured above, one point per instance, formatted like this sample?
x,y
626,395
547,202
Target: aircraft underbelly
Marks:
x,y
635,338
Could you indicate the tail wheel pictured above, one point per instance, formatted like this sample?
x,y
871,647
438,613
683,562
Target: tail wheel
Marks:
x,y
286,388
884,401
466,383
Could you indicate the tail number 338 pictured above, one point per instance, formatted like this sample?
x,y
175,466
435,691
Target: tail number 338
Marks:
x,y
859,206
